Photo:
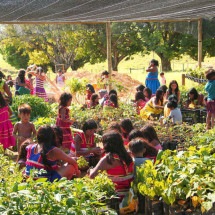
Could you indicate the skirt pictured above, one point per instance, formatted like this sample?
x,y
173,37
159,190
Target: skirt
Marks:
x,y
211,106
40,92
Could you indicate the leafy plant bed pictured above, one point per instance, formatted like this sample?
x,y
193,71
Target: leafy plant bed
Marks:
x,y
78,196
190,116
182,175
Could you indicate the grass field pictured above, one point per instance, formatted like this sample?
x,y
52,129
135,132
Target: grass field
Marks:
x,y
135,67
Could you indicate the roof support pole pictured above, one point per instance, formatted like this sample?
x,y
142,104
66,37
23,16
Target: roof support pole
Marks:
x,y
109,57
200,43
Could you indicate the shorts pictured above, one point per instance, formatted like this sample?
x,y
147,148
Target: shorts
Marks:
x,y
211,106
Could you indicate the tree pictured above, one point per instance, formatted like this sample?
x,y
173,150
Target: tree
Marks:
x,y
125,41
163,40
189,42
15,56
60,44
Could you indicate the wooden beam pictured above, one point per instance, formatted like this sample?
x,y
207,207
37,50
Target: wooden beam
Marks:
x,y
200,43
109,56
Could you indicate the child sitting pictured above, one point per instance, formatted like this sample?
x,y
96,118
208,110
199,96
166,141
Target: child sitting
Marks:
x,y
175,113
24,129
126,127
140,88
194,99
137,149
94,101
22,157
112,102
149,134
139,101
147,93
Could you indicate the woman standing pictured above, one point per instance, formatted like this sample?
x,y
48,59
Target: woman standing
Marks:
x,y
152,81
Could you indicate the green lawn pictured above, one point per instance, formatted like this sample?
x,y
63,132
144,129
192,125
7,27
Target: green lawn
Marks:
x,y
135,67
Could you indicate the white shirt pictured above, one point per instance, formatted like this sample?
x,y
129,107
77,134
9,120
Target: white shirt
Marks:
x,y
60,80
176,116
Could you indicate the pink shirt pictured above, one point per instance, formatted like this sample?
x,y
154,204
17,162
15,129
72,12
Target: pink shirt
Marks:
x,y
158,147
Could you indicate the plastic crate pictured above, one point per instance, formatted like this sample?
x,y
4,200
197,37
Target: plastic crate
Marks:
x,y
203,115
190,116
153,207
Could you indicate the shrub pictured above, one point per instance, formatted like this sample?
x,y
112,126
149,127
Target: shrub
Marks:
x,y
38,106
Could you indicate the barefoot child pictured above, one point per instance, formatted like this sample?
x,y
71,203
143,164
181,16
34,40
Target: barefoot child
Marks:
x,y
24,129
63,119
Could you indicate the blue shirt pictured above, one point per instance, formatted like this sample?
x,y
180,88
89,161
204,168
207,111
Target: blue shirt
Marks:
x,y
210,89
139,162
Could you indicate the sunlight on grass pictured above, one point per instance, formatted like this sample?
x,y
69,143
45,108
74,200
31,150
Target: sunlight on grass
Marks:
x,y
134,67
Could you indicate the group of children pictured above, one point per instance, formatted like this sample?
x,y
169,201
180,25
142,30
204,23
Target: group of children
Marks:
x,y
48,152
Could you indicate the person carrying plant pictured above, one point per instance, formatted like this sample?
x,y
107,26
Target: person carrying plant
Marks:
x,y
24,129
63,119
20,84
210,89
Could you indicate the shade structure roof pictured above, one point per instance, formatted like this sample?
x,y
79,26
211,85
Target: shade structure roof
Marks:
x,y
93,11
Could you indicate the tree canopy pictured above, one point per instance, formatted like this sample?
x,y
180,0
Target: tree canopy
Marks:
x,y
75,45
